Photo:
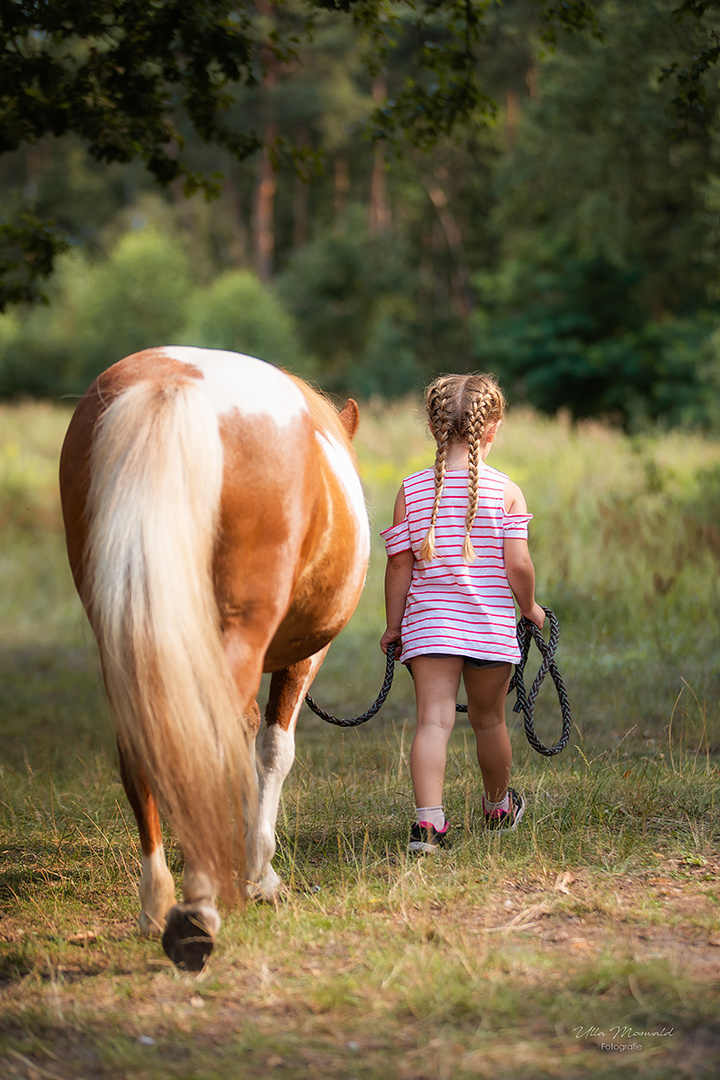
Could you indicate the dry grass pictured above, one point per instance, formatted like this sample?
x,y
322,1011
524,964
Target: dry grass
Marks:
x,y
518,957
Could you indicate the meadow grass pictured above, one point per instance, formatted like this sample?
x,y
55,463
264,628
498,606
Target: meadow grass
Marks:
x,y
523,956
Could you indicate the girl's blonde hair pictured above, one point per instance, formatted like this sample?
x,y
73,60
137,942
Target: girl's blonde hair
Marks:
x,y
460,407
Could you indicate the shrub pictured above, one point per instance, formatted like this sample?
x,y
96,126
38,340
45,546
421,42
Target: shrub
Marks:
x,y
568,335
351,294
237,312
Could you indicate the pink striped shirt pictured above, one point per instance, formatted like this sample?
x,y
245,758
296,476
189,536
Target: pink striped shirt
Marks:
x,y
452,606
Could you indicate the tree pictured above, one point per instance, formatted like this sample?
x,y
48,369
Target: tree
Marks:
x,y
139,295
688,75
602,219
237,312
350,295
128,78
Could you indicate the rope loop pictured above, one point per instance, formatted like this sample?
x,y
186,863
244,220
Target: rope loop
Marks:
x,y
525,703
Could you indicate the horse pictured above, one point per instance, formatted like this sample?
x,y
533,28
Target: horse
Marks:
x,y
216,530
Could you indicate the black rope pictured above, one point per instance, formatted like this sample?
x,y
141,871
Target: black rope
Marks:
x,y
525,702
378,703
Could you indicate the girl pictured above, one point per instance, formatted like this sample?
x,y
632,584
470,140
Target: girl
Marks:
x,y
457,553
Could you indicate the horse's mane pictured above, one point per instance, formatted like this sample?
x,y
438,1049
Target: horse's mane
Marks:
x,y
323,411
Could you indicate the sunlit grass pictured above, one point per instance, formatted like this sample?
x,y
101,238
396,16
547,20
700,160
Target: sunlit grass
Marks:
x,y
373,960
602,911
625,539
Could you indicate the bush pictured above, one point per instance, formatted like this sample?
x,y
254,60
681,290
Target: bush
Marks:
x,y
141,296
351,294
237,312
135,300
569,335
97,314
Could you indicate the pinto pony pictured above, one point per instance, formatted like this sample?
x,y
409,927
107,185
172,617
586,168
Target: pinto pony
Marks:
x,y
216,529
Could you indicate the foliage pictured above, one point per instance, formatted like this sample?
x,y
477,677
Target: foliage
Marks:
x,y
126,78
27,253
101,313
691,103
237,312
349,292
595,166
109,72
603,299
567,235
572,335
143,294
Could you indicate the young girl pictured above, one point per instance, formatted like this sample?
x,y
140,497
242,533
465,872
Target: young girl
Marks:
x,y
457,553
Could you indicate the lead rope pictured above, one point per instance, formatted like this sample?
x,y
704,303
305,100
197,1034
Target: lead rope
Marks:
x,y
524,703
377,704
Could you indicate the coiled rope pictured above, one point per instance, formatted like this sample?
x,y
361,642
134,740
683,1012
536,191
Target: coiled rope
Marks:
x,y
524,702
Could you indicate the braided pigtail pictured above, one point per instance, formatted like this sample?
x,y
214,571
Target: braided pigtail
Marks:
x,y
476,436
485,407
437,403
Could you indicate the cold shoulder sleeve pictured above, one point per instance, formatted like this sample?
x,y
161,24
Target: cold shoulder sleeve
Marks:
x,y
397,538
515,526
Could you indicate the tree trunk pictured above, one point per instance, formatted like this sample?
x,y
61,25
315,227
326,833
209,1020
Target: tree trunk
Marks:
x,y
342,186
264,201
512,113
460,279
264,226
379,209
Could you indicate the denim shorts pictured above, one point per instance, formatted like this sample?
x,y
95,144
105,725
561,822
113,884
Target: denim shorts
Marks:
x,y
471,661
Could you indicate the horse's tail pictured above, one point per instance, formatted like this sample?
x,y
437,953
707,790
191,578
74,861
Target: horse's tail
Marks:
x,y
156,478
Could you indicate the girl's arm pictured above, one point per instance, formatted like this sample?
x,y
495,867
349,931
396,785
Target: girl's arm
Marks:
x,y
518,564
398,577
521,579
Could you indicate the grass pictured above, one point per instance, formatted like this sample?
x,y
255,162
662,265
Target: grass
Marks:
x,y
516,957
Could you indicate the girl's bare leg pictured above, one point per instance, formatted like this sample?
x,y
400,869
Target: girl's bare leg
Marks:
x,y
486,691
437,680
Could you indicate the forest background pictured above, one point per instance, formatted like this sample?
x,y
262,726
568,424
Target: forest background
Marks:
x,y
567,240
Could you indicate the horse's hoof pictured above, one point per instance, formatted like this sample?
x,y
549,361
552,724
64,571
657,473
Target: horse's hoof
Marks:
x,y
186,939
267,890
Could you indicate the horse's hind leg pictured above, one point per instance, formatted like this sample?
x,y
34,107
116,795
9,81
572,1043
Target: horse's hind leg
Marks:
x,y
275,755
192,926
156,888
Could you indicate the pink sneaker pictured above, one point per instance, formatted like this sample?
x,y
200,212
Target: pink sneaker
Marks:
x,y
425,839
506,820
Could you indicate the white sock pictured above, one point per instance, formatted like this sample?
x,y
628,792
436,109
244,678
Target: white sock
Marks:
x,y
502,806
431,815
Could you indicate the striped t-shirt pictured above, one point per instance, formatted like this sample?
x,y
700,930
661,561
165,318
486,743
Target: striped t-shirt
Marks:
x,y
464,609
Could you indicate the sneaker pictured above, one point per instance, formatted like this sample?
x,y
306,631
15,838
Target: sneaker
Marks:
x,y
425,839
506,820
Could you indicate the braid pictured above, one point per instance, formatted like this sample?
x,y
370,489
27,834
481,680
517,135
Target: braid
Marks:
x,y
486,406
437,405
476,431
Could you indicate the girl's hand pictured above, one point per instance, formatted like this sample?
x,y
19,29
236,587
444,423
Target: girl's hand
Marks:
x,y
388,638
536,615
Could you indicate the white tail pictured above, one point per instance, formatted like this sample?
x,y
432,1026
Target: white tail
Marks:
x,y
156,480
